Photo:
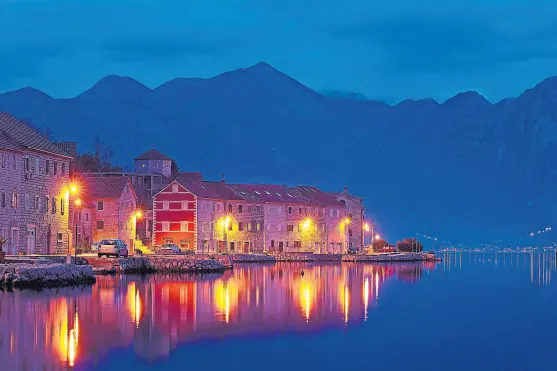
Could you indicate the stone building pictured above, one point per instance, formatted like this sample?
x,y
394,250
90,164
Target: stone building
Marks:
x,y
108,210
34,191
219,217
354,209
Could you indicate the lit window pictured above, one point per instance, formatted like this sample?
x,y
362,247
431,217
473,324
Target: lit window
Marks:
x,y
165,205
165,226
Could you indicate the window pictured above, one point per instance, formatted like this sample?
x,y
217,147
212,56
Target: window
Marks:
x,y
299,210
338,213
79,216
272,243
297,244
3,161
165,205
3,199
100,224
289,210
100,205
62,206
55,172
257,193
184,226
165,226
53,205
184,205
240,226
229,208
36,204
27,163
218,207
290,228
240,209
47,167
350,232
343,202
14,199
14,162
258,227
86,217
267,192
60,237
37,164
63,168
46,204
175,188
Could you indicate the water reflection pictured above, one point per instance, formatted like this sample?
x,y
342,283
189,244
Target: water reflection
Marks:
x,y
541,264
59,328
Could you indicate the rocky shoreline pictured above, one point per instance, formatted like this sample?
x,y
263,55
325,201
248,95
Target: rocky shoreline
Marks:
x,y
44,275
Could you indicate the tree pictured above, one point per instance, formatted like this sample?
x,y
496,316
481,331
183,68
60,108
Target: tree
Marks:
x,y
174,167
380,245
409,245
97,162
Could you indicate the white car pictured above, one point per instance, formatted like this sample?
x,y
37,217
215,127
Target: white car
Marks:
x,y
113,247
169,248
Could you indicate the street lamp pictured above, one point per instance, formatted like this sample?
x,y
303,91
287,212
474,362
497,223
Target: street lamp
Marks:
x,y
346,221
137,215
366,228
77,204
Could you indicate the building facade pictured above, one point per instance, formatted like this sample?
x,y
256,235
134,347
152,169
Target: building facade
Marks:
x,y
34,191
217,217
108,210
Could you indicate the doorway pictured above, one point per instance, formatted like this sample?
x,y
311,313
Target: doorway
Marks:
x,y
246,247
14,241
31,239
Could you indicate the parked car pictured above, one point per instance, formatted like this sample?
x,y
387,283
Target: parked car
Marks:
x,y
169,248
189,252
95,246
113,247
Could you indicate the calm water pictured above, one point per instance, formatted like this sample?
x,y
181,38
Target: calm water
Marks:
x,y
471,311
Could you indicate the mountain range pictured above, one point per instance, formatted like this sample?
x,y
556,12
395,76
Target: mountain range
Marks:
x,y
465,170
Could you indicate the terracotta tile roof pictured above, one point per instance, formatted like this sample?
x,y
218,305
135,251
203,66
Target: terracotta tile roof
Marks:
x,y
153,154
210,190
15,134
104,187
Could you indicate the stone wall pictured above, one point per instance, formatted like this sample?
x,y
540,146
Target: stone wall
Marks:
x,y
19,275
388,257
253,258
178,264
27,197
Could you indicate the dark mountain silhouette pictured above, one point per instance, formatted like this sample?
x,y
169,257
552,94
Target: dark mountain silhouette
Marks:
x,y
464,170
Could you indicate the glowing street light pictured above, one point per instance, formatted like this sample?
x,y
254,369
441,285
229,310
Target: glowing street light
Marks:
x,y
366,227
73,188
78,202
307,224
377,237
139,214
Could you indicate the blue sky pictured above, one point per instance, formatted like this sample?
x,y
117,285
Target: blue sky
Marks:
x,y
388,50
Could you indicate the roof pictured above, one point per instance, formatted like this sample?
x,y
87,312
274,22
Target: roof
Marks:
x,y
104,187
188,176
346,195
153,154
211,190
272,193
318,196
15,134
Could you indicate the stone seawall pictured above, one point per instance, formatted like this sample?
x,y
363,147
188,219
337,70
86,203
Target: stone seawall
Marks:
x,y
406,257
307,257
37,275
176,264
253,258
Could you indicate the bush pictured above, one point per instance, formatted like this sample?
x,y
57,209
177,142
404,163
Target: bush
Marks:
x,y
409,245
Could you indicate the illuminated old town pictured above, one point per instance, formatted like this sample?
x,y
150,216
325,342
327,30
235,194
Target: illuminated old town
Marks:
x,y
278,185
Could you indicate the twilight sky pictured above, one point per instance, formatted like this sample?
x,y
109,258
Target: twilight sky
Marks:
x,y
388,50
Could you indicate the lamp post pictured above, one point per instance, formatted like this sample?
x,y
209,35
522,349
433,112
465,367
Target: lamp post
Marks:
x,y
365,228
77,204
73,189
137,216
346,222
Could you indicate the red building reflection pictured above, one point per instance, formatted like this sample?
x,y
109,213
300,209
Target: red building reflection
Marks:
x,y
57,329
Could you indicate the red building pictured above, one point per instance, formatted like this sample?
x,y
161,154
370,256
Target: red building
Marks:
x,y
175,216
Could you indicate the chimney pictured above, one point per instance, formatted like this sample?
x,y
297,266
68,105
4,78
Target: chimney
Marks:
x,y
284,186
222,180
346,190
